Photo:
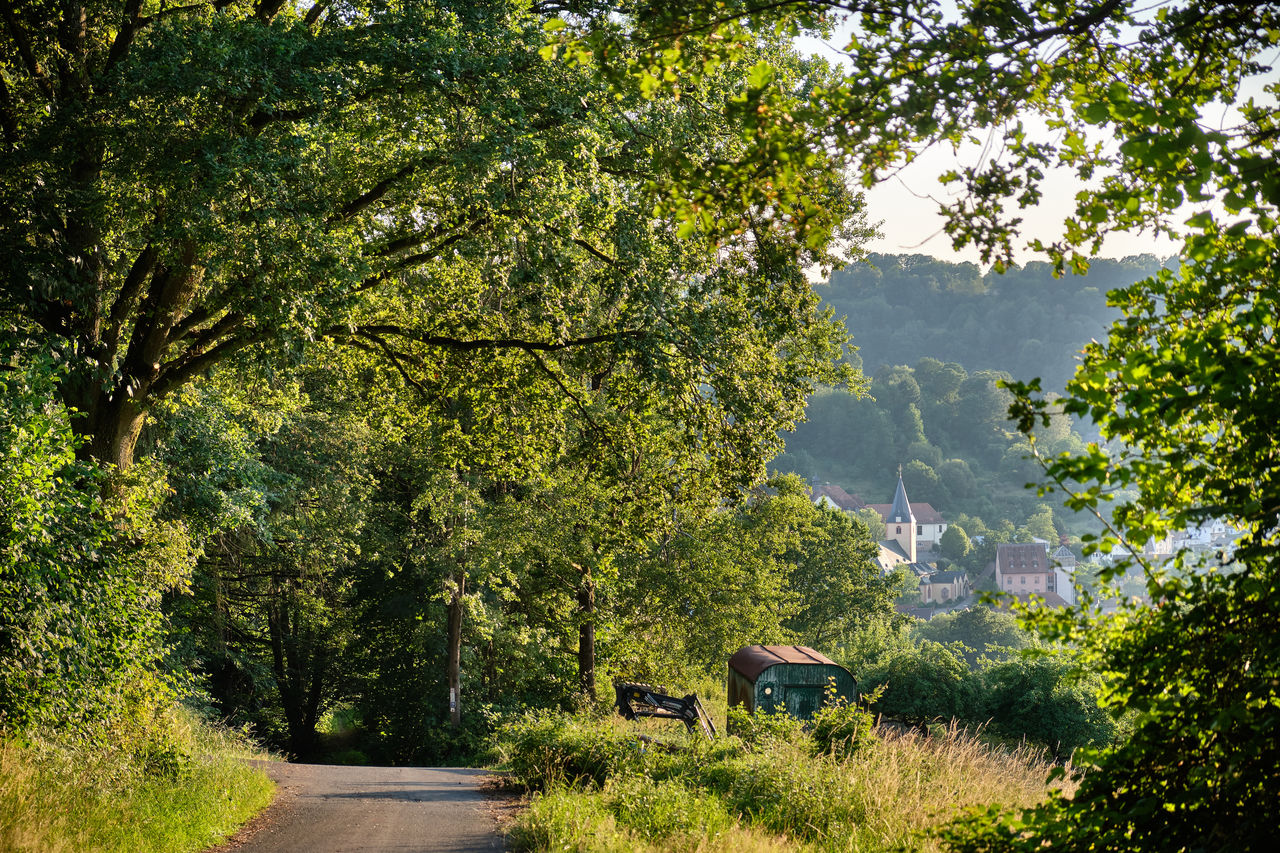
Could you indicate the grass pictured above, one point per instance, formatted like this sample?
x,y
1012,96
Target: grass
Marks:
x,y
597,787
189,794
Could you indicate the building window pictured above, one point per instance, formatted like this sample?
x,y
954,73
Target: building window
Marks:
x,y
1024,580
919,529
899,528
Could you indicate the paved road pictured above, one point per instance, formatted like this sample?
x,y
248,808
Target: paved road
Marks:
x,y
324,809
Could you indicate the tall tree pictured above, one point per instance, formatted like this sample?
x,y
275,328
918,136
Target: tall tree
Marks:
x,y
181,186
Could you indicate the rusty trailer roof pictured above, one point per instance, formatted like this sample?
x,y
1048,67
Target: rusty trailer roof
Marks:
x,y
750,661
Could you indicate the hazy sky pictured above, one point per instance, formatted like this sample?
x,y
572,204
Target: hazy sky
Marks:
x,y
906,203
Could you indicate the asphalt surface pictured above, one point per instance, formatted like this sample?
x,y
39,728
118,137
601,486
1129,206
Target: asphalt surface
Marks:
x,y
326,809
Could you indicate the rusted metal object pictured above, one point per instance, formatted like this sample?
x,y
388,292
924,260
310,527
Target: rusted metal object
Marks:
x,y
795,680
645,700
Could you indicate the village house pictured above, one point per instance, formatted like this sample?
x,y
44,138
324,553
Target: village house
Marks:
x,y
941,587
1063,561
1024,569
834,497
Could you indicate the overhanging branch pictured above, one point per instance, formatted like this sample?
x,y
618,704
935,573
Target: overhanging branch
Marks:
x,y
464,345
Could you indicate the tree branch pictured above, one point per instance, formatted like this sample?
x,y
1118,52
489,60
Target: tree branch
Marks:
x,y
267,10
593,250
555,377
124,38
460,345
127,298
410,261
378,190
182,370
316,10
386,350
23,42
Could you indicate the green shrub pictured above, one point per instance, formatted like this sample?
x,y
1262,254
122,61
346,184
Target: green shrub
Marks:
x,y
841,729
543,748
758,729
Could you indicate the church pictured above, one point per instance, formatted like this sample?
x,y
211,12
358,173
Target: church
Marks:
x,y
914,527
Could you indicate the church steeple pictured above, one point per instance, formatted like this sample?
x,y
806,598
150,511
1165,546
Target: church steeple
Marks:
x,y
900,512
900,524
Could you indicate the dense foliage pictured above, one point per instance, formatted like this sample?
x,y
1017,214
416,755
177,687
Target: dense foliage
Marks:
x,y
81,573
1146,103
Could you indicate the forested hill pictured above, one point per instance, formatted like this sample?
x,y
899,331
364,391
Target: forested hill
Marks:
x,y
937,338
901,308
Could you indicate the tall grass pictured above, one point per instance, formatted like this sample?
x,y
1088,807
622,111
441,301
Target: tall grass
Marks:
x,y
183,790
600,788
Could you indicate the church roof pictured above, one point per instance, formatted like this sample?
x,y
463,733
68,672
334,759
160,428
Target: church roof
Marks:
x,y
900,510
924,512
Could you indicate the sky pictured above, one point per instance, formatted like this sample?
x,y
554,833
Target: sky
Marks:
x,y
906,204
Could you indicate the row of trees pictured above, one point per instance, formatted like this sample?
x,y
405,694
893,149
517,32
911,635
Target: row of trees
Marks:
x,y
360,573
355,354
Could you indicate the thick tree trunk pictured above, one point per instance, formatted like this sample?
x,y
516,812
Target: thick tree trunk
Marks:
x,y
455,647
113,432
587,636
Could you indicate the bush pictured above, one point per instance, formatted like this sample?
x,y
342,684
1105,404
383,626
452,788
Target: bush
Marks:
x,y
546,748
841,729
83,563
760,729
923,684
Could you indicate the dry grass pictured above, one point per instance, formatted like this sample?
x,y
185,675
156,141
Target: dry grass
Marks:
x,y
917,783
604,792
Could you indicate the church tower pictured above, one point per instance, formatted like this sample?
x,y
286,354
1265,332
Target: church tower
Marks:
x,y
900,523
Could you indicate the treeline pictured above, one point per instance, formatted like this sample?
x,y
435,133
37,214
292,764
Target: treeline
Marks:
x,y
902,308
315,556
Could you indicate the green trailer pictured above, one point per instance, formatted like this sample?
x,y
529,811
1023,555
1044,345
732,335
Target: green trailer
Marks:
x,y
791,679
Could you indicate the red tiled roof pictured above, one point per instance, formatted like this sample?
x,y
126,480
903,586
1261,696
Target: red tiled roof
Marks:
x,y
839,497
1022,559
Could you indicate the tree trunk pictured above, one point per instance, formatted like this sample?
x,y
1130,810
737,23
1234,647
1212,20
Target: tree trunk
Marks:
x,y
455,647
587,636
113,433
289,668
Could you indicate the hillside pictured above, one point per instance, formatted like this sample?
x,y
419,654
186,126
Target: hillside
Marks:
x,y
937,338
901,308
